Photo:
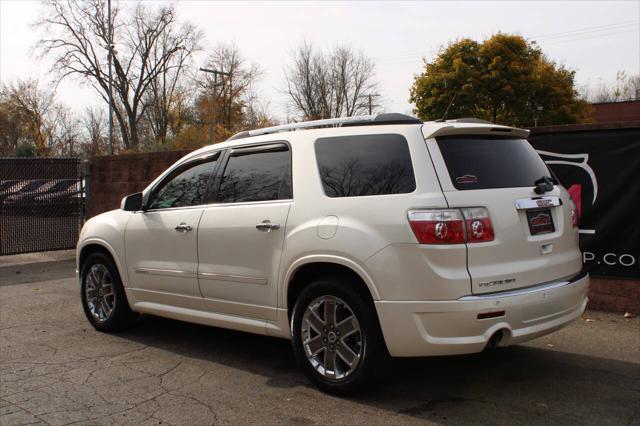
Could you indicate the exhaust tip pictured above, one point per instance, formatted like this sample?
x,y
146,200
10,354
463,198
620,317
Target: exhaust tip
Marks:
x,y
496,339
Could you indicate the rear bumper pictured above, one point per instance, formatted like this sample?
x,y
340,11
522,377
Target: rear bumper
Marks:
x,y
423,328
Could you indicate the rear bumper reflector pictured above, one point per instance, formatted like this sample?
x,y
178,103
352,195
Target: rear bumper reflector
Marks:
x,y
495,314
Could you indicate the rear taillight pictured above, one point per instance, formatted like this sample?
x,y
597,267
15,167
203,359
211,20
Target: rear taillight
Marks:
x,y
479,227
441,226
575,214
451,226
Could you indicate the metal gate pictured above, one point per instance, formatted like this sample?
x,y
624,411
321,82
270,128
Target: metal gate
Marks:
x,y
41,204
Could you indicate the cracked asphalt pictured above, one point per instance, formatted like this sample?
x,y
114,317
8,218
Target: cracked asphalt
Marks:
x,y
55,369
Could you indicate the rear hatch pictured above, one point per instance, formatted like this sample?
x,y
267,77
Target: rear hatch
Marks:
x,y
534,239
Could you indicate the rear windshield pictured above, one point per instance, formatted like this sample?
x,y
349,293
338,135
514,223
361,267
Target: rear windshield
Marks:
x,y
491,162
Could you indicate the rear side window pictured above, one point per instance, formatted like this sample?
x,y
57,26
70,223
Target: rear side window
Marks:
x,y
356,166
484,163
257,175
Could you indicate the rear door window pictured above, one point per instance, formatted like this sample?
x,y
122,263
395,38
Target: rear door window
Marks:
x,y
490,162
356,166
257,174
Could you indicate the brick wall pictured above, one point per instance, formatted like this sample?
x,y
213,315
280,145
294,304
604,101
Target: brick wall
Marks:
x,y
113,177
615,295
613,112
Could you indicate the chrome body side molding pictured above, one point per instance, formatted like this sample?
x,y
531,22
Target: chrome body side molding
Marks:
x,y
233,278
166,272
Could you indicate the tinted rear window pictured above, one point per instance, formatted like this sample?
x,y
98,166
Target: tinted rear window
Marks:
x,y
256,176
355,166
482,163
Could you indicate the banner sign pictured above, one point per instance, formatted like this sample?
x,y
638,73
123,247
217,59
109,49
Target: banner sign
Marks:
x,y
601,170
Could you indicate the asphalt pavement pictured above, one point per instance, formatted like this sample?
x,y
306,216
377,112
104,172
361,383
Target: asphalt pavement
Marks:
x,y
55,369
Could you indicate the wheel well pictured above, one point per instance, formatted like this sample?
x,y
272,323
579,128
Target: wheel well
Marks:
x,y
90,249
307,273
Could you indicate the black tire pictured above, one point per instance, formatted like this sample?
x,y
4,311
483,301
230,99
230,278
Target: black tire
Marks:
x,y
121,316
373,350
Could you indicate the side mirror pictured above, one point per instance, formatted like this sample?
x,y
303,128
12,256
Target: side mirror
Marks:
x,y
132,203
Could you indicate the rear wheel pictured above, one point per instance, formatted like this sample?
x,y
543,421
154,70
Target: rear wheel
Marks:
x,y
103,298
335,335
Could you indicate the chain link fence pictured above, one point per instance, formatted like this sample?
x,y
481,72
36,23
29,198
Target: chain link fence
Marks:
x,y
42,203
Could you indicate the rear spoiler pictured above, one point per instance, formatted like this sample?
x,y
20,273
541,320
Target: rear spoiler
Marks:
x,y
479,130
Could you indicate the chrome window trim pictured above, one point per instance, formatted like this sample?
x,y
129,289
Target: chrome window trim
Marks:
x,y
249,203
210,205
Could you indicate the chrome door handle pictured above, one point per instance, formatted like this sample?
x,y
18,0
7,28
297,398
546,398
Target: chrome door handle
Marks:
x,y
267,226
183,227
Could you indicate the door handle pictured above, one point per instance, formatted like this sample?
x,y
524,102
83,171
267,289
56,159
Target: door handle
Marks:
x,y
267,226
183,227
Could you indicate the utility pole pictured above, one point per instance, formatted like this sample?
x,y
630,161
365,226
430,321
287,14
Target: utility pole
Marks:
x,y
371,96
214,96
110,36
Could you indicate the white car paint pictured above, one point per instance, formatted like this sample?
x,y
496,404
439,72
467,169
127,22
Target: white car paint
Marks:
x,y
226,273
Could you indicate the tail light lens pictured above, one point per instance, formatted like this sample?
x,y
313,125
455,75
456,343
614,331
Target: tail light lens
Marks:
x,y
441,226
451,226
478,224
575,214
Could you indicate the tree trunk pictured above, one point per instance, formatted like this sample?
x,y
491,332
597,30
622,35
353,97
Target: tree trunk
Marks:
x,y
133,132
123,128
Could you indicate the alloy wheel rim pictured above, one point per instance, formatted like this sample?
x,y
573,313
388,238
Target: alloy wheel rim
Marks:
x,y
332,338
99,292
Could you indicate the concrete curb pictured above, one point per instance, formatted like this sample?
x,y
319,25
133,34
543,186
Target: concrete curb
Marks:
x,y
43,257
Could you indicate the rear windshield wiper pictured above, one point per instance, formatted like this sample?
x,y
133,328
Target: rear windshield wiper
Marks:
x,y
544,184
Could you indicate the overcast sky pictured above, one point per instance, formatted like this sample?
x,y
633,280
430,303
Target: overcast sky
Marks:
x,y
594,38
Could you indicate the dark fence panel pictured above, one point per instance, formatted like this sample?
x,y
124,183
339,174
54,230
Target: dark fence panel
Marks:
x,y
41,204
599,166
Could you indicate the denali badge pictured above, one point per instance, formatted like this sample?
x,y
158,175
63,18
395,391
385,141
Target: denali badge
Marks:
x,y
498,282
544,202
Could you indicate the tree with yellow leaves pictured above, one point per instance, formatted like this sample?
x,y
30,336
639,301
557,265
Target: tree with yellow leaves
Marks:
x,y
504,79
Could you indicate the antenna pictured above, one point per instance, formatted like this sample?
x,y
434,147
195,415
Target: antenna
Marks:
x,y
446,111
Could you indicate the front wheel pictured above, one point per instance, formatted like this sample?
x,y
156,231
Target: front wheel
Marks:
x,y
336,337
103,298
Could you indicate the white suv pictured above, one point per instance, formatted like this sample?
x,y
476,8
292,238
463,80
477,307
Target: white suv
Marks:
x,y
355,238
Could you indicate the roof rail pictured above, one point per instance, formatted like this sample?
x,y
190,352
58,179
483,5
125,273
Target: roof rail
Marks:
x,y
469,120
391,118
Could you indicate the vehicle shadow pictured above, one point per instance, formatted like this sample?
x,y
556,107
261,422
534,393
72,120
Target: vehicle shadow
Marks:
x,y
518,384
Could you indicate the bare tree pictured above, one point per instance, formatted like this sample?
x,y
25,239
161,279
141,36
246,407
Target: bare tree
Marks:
x,y
65,136
626,88
333,84
168,97
148,43
31,115
257,113
28,116
237,92
94,124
